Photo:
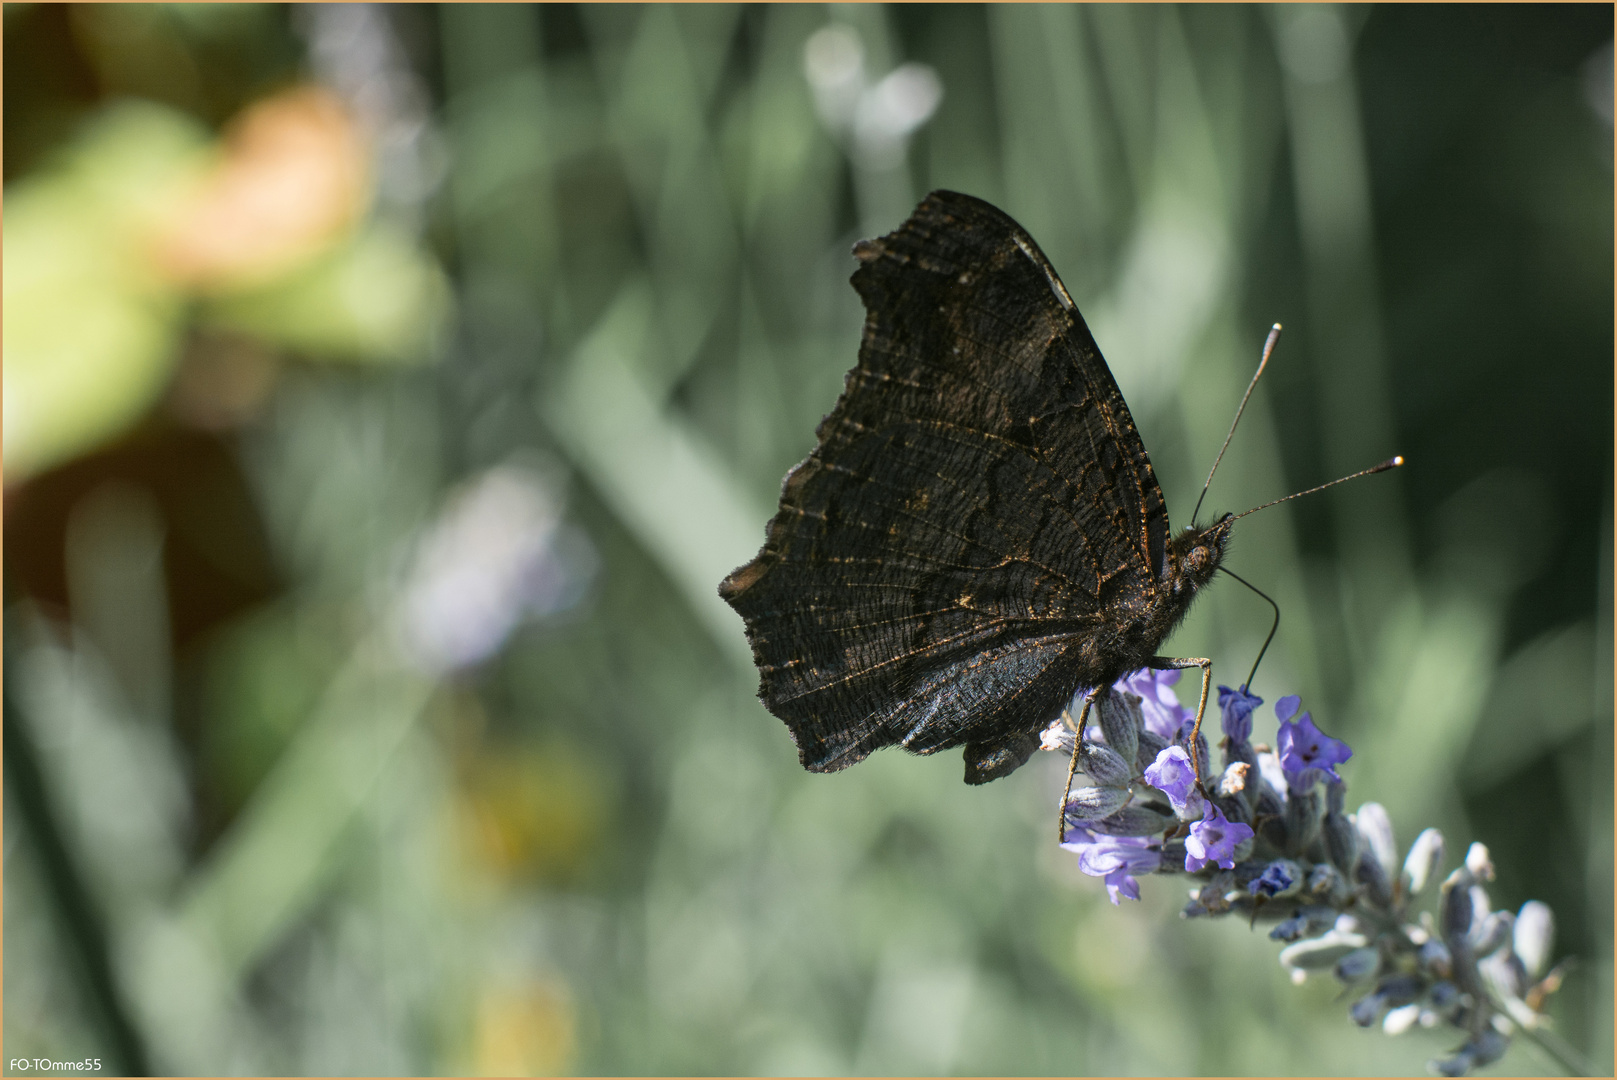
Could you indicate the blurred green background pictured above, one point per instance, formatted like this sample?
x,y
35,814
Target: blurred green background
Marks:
x,y
387,390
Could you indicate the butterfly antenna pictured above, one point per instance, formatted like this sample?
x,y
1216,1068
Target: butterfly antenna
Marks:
x,y
1247,686
1390,463
1268,347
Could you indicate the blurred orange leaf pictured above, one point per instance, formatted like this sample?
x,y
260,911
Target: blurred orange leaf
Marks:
x,y
293,179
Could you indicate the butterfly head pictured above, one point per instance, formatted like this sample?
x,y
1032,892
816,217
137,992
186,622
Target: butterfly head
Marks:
x,y
1197,552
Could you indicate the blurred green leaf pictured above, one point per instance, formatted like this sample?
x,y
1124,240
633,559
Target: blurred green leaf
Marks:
x,y
91,329
377,298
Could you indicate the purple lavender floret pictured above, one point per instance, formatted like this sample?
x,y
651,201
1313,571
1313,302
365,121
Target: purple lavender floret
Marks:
x,y
1304,747
1236,708
1279,877
1115,859
1214,839
1171,774
1158,703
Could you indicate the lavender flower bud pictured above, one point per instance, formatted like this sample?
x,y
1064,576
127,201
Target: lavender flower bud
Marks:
x,y
1369,872
1241,751
1341,840
1483,1048
1367,1009
1326,883
1057,736
1134,820
1316,954
1480,904
1269,813
1234,808
1479,862
1454,907
1091,804
1504,969
1308,922
1535,933
1425,856
1488,934
1121,722
1335,798
1273,775
1302,818
1433,958
1271,800
1394,991
1150,745
1444,996
1401,1019
1204,760
1358,964
1401,989
1104,765
1375,827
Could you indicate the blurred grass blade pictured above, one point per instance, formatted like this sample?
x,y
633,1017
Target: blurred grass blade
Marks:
x,y
668,488
1331,175
1426,692
269,866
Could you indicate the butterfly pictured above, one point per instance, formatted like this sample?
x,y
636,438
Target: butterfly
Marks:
x,y
978,534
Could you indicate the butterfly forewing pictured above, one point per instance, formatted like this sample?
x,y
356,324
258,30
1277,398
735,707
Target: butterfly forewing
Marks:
x,y
943,564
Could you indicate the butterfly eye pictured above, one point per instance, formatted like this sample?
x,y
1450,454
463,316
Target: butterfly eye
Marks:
x,y
1198,557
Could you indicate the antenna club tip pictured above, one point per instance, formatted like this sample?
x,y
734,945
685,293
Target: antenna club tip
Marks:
x,y
1393,462
1276,326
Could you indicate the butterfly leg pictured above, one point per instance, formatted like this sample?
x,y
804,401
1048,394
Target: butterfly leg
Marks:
x,y
1173,663
1072,767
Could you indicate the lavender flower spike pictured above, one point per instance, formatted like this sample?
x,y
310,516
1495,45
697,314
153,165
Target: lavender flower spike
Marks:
x,y
1331,881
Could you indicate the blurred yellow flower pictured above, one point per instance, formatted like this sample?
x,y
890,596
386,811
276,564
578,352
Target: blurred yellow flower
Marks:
x,y
524,1030
532,812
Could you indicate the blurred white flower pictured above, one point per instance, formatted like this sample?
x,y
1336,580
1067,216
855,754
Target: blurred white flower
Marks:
x,y
834,62
498,553
878,117
892,110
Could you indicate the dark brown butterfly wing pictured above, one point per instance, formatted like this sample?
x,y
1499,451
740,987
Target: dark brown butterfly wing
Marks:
x,y
978,524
